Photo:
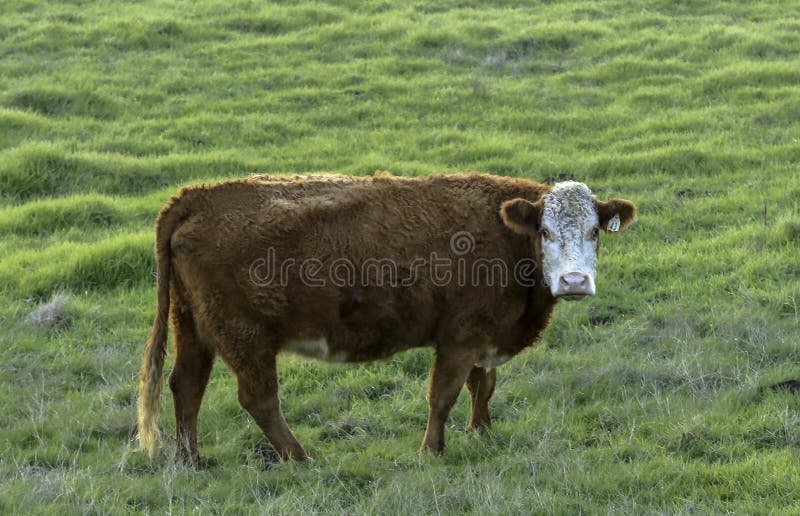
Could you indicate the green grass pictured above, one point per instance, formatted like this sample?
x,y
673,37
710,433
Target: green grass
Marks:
x,y
648,398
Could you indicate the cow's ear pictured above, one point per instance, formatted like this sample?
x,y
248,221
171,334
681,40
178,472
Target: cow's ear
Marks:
x,y
521,215
615,214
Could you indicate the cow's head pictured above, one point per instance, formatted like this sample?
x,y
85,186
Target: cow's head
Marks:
x,y
565,225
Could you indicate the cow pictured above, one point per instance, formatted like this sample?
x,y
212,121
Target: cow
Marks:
x,y
354,269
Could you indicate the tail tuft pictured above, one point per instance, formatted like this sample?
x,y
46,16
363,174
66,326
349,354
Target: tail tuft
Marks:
x,y
150,388
152,367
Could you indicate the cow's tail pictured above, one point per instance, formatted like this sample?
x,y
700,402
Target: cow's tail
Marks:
x,y
152,368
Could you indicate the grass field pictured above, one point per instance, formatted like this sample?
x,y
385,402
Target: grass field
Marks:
x,y
649,397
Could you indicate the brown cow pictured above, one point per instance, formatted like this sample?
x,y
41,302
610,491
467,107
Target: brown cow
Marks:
x,y
357,269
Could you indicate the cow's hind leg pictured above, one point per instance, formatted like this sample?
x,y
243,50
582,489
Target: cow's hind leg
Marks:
x,y
450,371
258,394
480,384
194,359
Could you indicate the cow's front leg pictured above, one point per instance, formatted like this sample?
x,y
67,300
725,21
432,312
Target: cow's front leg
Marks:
x,y
450,371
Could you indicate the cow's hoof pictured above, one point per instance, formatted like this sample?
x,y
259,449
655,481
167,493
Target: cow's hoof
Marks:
x,y
479,426
437,450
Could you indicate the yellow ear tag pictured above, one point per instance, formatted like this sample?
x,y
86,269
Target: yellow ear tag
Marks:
x,y
613,223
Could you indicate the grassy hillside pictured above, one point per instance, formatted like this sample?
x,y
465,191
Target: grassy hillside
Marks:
x,y
648,398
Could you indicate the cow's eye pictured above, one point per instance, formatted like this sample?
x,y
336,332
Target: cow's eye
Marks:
x,y
595,233
546,234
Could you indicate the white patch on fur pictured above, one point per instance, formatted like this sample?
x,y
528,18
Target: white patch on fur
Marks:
x,y
491,359
569,215
314,348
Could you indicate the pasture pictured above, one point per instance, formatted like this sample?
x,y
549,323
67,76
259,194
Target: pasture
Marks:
x,y
651,397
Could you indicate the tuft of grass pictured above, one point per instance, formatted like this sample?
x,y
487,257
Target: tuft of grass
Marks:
x,y
44,217
57,103
51,315
45,170
114,262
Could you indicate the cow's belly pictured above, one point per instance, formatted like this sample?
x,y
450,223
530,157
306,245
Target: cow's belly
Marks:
x,y
317,348
321,348
378,324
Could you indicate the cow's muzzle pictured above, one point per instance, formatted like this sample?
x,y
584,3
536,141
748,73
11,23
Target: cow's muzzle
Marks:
x,y
574,285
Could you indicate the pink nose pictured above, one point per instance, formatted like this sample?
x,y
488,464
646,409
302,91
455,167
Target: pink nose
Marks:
x,y
574,280
574,285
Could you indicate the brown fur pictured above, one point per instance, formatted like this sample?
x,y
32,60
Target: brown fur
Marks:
x,y
208,237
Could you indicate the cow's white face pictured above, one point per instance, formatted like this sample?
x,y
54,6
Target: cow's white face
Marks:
x,y
569,235
565,225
